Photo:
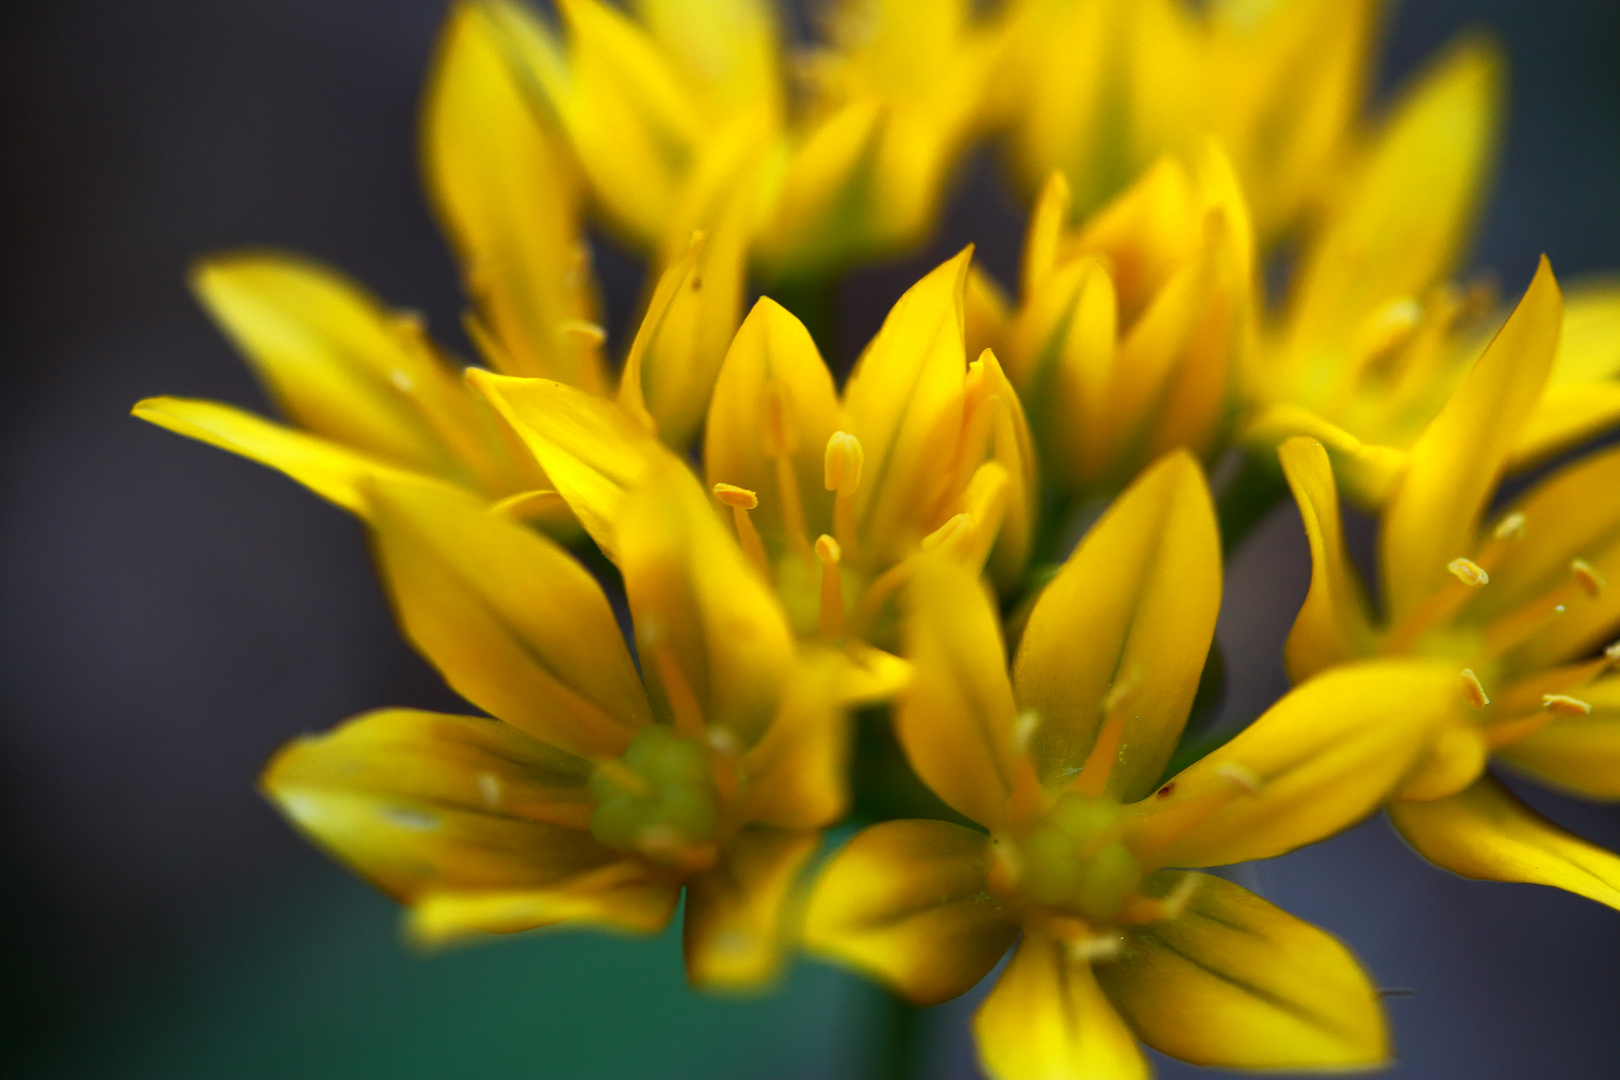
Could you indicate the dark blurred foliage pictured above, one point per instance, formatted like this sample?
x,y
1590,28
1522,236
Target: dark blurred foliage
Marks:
x,y
170,614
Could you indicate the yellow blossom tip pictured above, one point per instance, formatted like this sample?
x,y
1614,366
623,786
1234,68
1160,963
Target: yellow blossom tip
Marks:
x,y
1472,690
1511,527
1240,777
736,497
1587,577
1469,572
828,551
1564,705
583,330
843,463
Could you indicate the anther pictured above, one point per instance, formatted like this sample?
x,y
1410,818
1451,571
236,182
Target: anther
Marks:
x,y
1613,653
582,331
1239,777
1472,690
842,475
1587,577
832,588
1510,527
736,497
1564,705
1468,572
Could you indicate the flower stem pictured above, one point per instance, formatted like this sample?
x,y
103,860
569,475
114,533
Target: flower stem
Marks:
x,y
894,1041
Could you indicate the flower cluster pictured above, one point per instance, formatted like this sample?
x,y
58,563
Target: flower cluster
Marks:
x,y
670,581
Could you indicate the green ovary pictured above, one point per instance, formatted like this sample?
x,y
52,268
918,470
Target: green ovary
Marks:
x,y
659,798
1071,860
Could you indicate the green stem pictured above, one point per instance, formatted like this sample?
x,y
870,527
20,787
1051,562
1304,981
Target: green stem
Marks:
x,y
895,1041
1252,494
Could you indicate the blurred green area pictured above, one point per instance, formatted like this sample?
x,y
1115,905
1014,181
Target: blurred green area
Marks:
x,y
316,982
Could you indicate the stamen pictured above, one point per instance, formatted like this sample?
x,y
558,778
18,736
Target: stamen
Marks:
x,y
842,471
1141,909
1516,627
1438,607
1468,572
1564,705
832,588
741,500
1093,778
1473,691
683,703
1613,653
1587,577
1511,527
581,331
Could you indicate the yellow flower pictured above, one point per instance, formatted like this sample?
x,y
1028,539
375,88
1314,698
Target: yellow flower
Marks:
x,y
1134,329
830,498
1517,606
1374,338
1101,89
672,101
596,794
371,392
1061,762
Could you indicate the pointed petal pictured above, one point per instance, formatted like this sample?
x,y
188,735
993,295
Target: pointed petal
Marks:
x,y
1459,458
818,219
1333,625
590,447
1578,753
429,806
333,471
505,189
625,897
956,720
736,913
1236,983
1487,833
510,619
904,401
694,595
1369,472
1047,1019
1321,759
1400,226
1013,447
774,392
907,902
335,359
1141,593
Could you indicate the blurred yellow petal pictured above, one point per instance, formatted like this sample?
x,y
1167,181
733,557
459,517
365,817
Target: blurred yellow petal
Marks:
x,y
1567,415
815,222
1318,761
1590,349
1368,472
504,187
679,277
1141,593
736,912
513,622
1486,832
727,48
773,394
625,897
1047,1019
1399,226
1333,626
987,312
904,402
957,718
1580,754
693,594
1456,463
1013,448
592,449
422,802
333,471
334,358
1235,983
907,902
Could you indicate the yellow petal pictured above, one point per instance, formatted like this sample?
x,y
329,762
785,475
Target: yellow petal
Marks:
x,y
504,187
817,219
1333,626
729,49
590,448
1578,753
335,360
1399,227
694,596
907,902
987,312
1235,983
736,913
1141,592
625,897
904,401
1013,448
1590,349
1567,415
1369,472
1319,760
773,395
334,472
957,719
1047,1019
1456,463
1485,832
514,623
424,804
1043,242
679,277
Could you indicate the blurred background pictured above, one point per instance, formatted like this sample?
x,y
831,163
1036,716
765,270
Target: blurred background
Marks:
x,y
169,614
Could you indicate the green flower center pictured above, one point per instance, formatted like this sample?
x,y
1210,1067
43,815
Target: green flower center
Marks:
x,y
1075,860
659,799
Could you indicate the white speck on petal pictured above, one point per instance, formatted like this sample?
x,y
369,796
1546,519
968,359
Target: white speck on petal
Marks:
x,y
489,786
407,817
